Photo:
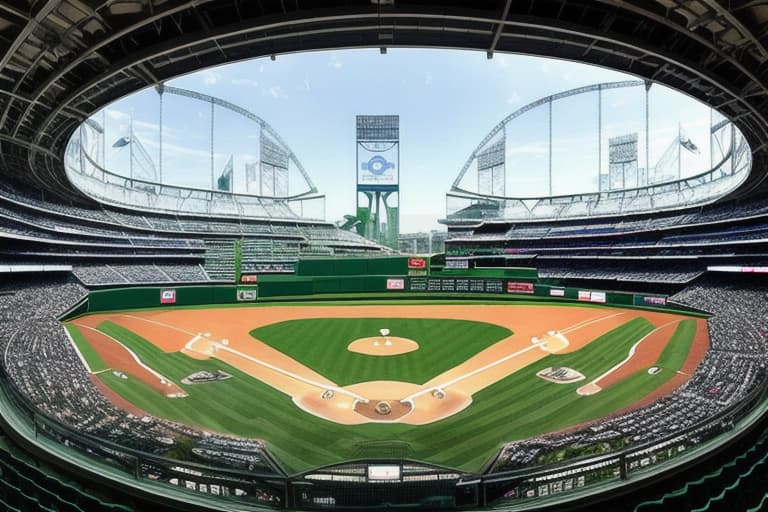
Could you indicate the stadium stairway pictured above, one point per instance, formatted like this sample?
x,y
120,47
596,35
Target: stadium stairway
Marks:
x,y
738,485
26,488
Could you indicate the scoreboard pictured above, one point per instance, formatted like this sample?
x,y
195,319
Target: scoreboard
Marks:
x,y
455,284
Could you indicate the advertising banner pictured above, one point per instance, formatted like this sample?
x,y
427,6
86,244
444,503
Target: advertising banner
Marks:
x,y
417,263
655,301
584,295
518,287
246,295
395,284
249,279
168,296
557,292
597,297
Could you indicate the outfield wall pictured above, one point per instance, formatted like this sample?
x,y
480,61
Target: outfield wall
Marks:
x,y
294,287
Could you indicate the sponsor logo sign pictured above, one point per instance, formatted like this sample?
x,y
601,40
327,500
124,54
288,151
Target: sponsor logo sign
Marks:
x,y
168,296
246,295
557,292
517,287
584,295
597,297
249,279
395,284
417,263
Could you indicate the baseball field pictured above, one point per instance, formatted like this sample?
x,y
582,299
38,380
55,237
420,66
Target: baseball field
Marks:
x,y
443,382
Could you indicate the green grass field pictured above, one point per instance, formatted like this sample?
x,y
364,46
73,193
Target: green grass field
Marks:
x,y
321,344
518,406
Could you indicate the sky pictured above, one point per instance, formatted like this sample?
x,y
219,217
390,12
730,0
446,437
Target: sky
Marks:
x,y
447,100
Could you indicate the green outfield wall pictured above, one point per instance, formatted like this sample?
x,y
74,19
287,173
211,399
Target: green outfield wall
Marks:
x,y
152,296
287,287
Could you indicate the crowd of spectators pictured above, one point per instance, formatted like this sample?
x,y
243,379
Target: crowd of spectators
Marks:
x,y
106,274
735,365
40,360
629,271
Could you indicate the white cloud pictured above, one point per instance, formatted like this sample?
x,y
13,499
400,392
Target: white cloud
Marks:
x,y
117,114
246,82
277,92
211,77
335,63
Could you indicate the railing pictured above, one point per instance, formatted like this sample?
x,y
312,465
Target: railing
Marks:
x,y
517,487
117,190
725,176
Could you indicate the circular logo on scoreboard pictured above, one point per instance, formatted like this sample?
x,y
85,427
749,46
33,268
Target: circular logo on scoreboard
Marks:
x,y
377,165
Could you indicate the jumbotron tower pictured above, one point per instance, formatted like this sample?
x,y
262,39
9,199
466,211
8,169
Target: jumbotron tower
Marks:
x,y
378,184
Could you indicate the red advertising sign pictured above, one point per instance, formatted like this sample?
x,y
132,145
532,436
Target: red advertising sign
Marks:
x,y
168,296
249,279
517,287
417,263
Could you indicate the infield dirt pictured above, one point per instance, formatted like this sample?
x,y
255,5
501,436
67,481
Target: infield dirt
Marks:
x,y
224,333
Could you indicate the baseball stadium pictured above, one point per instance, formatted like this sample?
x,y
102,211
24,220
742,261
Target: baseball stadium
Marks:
x,y
219,344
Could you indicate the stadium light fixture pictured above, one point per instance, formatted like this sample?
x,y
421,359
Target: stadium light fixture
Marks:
x,y
383,50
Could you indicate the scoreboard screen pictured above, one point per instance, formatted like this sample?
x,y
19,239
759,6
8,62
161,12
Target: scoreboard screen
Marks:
x,y
382,472
455,284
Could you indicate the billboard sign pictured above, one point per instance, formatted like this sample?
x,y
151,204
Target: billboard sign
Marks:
x,y
168,296
597,297
417,263
377,163
246,294
395,284
253,278
655,300
557,292
518,287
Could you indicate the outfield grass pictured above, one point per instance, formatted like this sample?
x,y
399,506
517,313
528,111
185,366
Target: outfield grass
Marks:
x,y
321,344
94,360
517,407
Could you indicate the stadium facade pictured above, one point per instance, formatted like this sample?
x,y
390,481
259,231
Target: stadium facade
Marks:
x,y
64,60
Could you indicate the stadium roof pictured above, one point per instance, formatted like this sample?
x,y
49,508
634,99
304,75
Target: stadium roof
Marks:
x,y
63,59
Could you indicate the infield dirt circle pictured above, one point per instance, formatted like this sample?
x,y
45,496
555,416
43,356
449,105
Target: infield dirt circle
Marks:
x,y
383,346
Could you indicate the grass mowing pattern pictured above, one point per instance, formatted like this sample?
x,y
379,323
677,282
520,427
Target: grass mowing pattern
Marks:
x,y
517,407
675,353
94,360
321,344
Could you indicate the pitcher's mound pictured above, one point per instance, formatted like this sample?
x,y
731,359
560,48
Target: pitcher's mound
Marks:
x,y
382,346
